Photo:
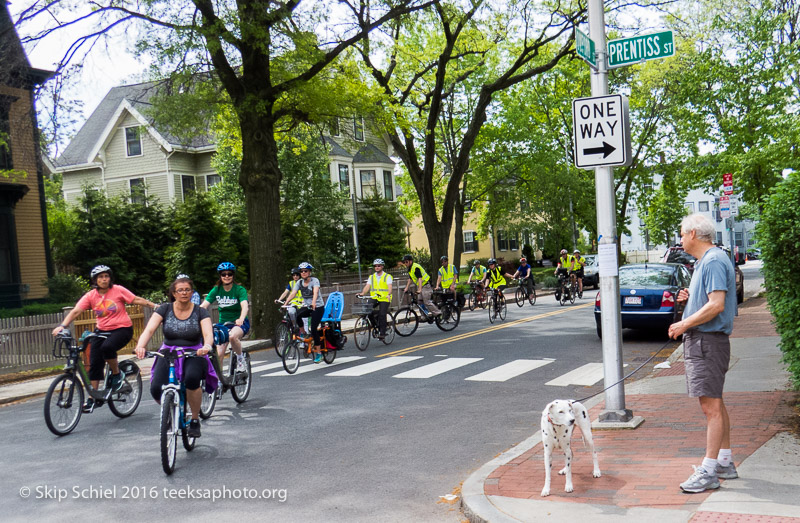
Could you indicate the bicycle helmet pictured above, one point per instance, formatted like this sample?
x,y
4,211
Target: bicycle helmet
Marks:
x,y
306,265
563,251
523,259
476,262
408,257
296,270
378,261
443,258
576,251
226,266
182,277
492,261
100,269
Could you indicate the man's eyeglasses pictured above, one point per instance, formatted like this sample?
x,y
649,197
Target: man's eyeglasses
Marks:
x,y
226,274
183,291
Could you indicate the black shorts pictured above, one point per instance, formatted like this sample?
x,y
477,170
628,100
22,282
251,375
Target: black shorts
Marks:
x,y
579,273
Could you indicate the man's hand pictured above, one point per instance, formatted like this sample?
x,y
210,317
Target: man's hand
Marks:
x,y
676,329
683,296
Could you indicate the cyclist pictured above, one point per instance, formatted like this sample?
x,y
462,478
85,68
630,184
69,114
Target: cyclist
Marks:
x,y
185,326
562,269
379,286
578,263
422,285
478,271
107,301
233,308
293,306
313,304
448,276
524,273
495,278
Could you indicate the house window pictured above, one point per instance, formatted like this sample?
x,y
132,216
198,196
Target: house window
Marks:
x,y
212,180
333,126
358,128
138,194
689,207
344,178
470,241
187,184
739,239
388,191
502,240
524,205
368,185
513,242
133,141
719,238
702,206
5,139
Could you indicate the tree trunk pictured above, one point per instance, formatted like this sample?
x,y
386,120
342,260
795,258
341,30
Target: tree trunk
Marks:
x,y
261,177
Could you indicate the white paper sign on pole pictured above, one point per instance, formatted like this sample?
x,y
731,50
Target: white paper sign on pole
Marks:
x,y
607,259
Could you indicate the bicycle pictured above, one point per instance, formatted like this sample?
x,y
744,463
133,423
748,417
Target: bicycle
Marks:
x,y
284,330
564,287
477,298
520,295
367,324
239,383
330,323
173,411
63,403
497,304
450,315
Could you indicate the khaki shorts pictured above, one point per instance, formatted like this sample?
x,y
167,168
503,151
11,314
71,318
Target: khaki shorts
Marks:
x,y
706,355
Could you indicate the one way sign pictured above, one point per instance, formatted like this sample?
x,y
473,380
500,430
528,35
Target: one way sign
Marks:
x,y
602,131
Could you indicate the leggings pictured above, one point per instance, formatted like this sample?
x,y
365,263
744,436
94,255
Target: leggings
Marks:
x,y
104,349
194,370
316,316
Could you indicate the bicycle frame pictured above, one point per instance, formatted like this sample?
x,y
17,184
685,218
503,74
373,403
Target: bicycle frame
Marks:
x,y
76,367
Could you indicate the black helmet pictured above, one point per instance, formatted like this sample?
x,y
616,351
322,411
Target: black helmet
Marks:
x,y
408,257
492,261
296,270
476,262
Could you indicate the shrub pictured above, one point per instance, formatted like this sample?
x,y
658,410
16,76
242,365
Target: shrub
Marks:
x,y
33,309
779,236
66,287
550,282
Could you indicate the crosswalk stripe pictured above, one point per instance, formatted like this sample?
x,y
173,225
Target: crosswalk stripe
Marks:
x,y
261,367
509,370
310,367
374,366
586,375
434,369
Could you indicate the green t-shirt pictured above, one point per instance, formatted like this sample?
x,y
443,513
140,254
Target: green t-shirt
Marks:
x,y
230,302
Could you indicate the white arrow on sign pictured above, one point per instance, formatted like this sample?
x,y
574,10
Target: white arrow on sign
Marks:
x,y
601,130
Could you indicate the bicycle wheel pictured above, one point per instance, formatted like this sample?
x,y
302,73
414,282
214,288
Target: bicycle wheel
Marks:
x,y
503,309
188,442
291,357
563,296
242,381
361,333
209,401
449,318
390,331
282,338
328,355
169,431
572,293
492,308
482,301
63,404
519,296
532,296
471,301
405,321
125,402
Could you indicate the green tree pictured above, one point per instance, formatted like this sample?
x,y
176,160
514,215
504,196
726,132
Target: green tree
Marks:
x,y
381,232
663,210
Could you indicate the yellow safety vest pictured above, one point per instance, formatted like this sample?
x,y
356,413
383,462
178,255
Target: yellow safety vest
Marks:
x,y
297,301
480,271
496,278
448,274
578,263
412,270
566,263
379,287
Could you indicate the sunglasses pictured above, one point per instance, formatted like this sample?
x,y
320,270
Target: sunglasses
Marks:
x,y
305,270
183,291
226,274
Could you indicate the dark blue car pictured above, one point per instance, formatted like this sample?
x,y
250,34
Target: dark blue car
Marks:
x,y
647,295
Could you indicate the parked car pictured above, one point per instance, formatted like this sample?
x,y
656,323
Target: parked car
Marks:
x,y
647,295
678,255
591,273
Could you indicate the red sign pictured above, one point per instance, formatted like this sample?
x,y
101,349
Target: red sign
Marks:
x,y
727,183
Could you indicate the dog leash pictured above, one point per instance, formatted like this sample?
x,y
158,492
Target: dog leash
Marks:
x,y
629,375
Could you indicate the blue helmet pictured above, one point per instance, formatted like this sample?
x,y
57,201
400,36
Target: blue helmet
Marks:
x,y
226,266
305,265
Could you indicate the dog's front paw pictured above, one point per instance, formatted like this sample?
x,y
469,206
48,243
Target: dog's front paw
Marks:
x,y
596,473
568,488
562,471
545,492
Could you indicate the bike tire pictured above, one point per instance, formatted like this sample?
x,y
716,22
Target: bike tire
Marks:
x,y
563,299
63,414
572,294
124,403
492,309
209,401
328,355
449,318
169,432
282,338
482,301
291,357
390,331
519,296
241,390
406,321
471,301
532,297
503,310
188,442
361,333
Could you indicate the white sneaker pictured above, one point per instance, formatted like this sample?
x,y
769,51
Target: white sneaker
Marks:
x,y
241,366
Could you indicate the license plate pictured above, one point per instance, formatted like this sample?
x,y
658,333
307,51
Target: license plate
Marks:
x,y
633,300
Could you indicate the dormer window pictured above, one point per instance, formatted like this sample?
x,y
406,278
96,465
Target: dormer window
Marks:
x,y
358,128
133,141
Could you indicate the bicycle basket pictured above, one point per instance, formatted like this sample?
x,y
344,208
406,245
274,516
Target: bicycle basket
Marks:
x,y
361,308
62,347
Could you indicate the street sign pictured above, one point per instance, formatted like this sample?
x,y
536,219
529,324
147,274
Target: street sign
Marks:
x,y
584,46
626,51
727,184
601,130
734,206
725,206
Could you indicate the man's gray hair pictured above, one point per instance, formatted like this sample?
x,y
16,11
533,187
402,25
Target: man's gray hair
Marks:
x,y
702,225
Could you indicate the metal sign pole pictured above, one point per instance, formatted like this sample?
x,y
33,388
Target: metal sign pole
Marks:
x,y
615,411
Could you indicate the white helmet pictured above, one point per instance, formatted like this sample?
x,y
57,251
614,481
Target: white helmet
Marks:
x,y
100,269
378,261
306,265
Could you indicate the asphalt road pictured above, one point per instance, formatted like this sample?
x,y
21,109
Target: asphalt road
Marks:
x,y
315,446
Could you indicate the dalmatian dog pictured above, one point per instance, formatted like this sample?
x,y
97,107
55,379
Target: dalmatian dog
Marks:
x,y
558,421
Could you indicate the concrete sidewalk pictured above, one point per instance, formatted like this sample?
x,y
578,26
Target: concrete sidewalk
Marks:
x,y
642,468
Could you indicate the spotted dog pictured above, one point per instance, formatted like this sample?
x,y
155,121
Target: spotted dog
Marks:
x,y
558,421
